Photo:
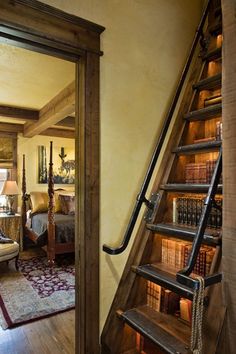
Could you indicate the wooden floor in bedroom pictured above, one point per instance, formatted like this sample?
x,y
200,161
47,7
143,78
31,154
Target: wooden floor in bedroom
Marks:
x,y
52,335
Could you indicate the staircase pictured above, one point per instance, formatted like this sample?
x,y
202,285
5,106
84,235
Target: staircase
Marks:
x,y
180,236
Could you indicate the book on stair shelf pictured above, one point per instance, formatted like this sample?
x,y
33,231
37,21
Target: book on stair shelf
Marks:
x,y
168,302
187,212
200,172
216,99
175,254
195,173
153,295
185,310
219,131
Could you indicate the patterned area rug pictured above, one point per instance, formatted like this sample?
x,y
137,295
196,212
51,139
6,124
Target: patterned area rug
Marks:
x,y
35,292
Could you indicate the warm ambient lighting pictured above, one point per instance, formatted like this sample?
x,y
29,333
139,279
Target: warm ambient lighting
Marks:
x,y
10,189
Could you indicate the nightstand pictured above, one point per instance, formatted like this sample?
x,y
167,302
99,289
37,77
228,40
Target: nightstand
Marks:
x,y
11,226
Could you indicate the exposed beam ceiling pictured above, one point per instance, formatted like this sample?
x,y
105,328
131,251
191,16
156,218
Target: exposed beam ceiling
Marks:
x,y
69,134
53,112
20,113
67,122
9,127
37,93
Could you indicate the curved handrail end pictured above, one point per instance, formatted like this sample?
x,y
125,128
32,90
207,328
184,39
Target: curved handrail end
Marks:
x,y
113,250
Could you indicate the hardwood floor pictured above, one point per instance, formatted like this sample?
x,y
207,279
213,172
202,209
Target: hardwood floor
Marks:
x,y
52,335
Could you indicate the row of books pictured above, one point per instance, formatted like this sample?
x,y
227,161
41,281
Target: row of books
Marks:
x,y
166,301
200,172
187,211
217,135
215,99
175,253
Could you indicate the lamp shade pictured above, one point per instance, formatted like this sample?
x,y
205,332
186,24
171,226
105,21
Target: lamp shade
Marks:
x,y
10,188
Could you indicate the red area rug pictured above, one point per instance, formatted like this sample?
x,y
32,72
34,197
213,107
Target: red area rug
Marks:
x,y
35,291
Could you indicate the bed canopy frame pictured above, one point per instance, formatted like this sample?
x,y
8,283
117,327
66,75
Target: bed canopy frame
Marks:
x,y
52,248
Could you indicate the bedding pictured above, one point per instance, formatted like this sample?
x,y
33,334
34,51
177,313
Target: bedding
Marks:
x,y
64,227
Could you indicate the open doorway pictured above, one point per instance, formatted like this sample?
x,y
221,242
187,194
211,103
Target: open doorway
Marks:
x,y
38,27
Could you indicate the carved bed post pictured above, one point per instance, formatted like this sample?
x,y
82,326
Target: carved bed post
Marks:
x,y
51,222
24,198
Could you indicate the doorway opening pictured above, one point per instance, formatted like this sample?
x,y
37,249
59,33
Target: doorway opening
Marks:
x,y
38,27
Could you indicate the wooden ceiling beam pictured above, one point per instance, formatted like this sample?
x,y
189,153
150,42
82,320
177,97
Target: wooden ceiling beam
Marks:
x,y
61,106
19,113
60,133
68,122
11,128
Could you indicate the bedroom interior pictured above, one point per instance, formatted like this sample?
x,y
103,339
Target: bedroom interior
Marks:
x,y
38,182
51,96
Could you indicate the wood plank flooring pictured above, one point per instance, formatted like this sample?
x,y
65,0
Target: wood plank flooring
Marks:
x,y
52,335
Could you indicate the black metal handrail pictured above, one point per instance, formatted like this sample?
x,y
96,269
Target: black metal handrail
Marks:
x,y
209,200
141,198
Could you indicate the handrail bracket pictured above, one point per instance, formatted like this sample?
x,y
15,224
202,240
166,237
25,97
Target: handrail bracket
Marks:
x,y
151,206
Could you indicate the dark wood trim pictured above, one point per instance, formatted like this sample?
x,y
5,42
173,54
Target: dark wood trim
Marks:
x,y
64,16
11,128
20,113
51,220
88,156
12,135
33,25
47,28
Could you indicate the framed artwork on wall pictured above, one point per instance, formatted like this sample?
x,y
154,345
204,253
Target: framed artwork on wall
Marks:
x,y
63,164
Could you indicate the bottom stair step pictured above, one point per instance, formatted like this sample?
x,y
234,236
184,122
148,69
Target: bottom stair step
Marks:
x,y
165,331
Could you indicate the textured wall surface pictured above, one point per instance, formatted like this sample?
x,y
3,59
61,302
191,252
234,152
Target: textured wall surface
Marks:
x,y
29,147
145,45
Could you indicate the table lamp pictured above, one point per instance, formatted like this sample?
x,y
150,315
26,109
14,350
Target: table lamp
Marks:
x,y
10,190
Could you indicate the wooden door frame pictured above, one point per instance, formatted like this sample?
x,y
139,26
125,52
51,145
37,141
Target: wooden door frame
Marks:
x,y
39,27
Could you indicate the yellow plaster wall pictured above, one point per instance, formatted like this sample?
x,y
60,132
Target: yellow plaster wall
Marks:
x,y
145,45
29,147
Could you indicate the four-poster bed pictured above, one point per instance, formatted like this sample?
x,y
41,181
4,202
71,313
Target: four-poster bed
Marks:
x,y
54,232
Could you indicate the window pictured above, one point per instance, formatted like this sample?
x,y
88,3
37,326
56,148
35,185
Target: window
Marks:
x,y
3,177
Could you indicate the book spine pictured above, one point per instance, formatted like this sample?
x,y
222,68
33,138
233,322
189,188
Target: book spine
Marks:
x,y
175,211
184,211
164,250
189,211
180,210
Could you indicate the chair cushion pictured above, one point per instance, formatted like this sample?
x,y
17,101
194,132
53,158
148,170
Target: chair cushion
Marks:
x,y
8,251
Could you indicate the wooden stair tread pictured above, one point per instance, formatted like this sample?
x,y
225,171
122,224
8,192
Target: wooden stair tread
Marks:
x,y
208,83
204,113
165,276
213,54
188,187
185,232
154,326
198,147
